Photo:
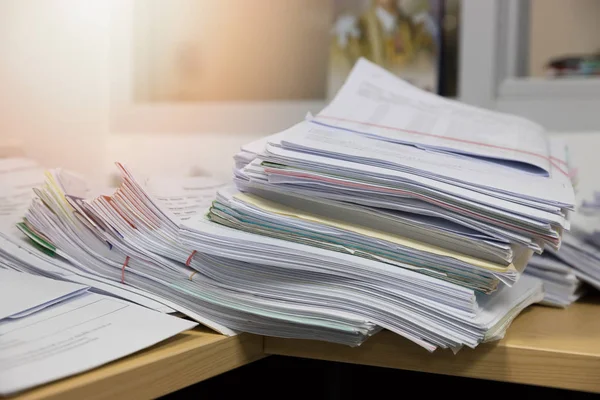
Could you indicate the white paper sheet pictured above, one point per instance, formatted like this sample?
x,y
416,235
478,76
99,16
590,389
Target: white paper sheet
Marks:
x,y
22,294
75,336
375,102
468,172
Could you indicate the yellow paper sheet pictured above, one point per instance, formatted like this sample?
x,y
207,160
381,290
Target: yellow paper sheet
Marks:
x,y
279,209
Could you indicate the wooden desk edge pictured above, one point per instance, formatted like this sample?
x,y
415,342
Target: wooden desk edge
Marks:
x,y
496,361
184,360
548,347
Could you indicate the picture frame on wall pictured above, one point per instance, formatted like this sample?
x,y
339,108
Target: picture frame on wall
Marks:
x,y
403,36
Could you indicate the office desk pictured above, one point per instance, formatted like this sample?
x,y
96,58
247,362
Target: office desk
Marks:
x,y
544,346
181,361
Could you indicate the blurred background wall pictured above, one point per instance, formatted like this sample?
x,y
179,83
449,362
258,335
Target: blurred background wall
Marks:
x,y
57,71
54,80
190,50
561,27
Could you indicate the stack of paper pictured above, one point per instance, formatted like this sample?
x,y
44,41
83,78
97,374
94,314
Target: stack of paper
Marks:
x,y
118,239
259,284
51,329
562,287
21,249
392,208
304,286
582,254
414,212
577,262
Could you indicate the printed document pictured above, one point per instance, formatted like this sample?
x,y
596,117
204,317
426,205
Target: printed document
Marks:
x,y
77,335
22,294
375,102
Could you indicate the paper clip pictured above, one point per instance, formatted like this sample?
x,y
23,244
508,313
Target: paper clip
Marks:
x,y
189,260
192,275
123,269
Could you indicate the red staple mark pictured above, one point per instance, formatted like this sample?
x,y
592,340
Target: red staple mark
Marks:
x,y
189,260
126,263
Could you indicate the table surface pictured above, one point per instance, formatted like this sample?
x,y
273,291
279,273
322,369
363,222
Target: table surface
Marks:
x,y
181,361
544,346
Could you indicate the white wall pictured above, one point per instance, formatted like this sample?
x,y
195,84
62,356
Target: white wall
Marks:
x,y
560,28
230,50
54,80
176,155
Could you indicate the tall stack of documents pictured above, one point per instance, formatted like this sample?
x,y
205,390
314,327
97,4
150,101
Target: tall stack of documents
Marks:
x,y
408,211
392,208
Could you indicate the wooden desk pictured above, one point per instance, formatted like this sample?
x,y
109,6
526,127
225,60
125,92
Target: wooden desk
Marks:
x,y
181,361
544,346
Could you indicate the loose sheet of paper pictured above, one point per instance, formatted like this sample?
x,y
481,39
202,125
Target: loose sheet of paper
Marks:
x,y
375,102
22,294
183,197
77,335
